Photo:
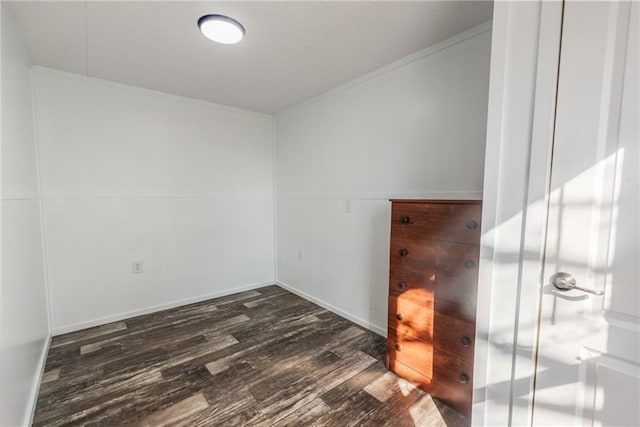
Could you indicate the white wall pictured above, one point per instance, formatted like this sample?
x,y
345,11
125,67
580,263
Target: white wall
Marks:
x,y
129,175
24,325
414,129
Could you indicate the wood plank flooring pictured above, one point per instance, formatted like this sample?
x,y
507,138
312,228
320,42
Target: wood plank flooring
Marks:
x,y
262,358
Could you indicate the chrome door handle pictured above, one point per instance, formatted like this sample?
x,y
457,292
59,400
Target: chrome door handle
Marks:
x,y
565,282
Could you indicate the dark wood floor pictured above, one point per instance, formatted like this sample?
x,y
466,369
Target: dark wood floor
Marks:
x,y
263,357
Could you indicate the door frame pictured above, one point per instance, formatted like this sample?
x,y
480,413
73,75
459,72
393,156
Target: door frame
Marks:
x,y
525,51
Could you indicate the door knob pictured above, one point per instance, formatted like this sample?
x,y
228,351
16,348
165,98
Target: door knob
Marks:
x,y
565,282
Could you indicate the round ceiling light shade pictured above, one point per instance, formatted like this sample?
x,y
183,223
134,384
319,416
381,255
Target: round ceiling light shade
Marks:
x,y
221,29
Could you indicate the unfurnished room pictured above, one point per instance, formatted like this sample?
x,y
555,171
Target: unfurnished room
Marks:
x,y
320,213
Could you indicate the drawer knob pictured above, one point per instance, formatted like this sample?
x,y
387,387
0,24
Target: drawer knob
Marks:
x,y
399,316
402,284
405,220
404,252
472,225
465,341
398,347
470,264
464,378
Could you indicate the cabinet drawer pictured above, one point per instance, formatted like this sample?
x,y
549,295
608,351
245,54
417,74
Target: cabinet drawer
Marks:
x,y
455,336
415,353
447,333
430,360
453,371
455,222
456,296
458,398
433,260
412,314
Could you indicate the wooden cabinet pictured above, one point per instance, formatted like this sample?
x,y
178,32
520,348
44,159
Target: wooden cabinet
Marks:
x,y
432,296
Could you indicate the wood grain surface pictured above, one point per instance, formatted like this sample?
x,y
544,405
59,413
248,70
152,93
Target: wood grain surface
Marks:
x,y
264,357
433,273
451,222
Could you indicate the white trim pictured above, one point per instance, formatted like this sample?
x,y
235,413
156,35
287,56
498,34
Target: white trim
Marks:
x,y
535,209
19,198
35,387
455,194
37,69
266,195
431,50
59,330
43,225
524,61
2,13
274,164
481,375
340,312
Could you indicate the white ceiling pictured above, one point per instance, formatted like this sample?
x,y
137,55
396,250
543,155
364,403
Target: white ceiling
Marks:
x,y
292,51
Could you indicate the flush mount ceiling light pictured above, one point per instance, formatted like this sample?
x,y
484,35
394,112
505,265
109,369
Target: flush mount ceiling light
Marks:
x,y
221,29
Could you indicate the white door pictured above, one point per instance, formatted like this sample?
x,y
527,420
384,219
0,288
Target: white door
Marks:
x,y
588,370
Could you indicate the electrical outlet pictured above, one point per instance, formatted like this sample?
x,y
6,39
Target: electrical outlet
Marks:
x,y
347,206
300,255
137,267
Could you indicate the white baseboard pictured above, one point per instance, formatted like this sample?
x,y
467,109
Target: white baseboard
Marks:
x,y
35,387
355,319
122,316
